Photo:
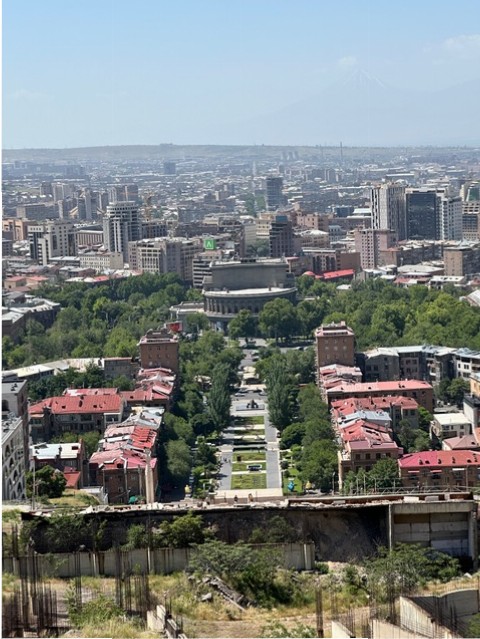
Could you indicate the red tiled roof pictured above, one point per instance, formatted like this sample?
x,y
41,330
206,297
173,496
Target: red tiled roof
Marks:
x,y
332,275
121,459
440,458
407,384
66,405
75,392
72,478
370,434
353,404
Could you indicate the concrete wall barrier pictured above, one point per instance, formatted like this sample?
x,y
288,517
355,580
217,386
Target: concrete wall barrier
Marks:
x,y
161,561
339,631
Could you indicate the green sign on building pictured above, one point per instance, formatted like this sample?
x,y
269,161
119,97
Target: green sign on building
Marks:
x,y
210,244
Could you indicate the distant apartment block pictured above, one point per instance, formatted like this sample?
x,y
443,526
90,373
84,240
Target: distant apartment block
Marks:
x,y
101,261
164,255
51,239
388,204
121,225
423,214
274,195
462,260
371,243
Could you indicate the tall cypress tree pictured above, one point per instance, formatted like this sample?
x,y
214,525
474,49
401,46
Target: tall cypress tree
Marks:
x,y
219,400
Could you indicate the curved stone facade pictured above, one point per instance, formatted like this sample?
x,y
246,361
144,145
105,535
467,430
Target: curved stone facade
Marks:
x,y
224,305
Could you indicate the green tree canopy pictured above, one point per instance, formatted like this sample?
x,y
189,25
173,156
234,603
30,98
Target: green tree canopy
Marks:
x,y
219,400
278,319
49,482
243,324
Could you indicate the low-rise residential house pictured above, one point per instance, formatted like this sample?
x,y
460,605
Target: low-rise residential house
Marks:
x,y
441,469
471,410
79,411
120,366
126,463
125,466
364,444
466,362
154,387
445,425
398,408
467,442
475,384
421,392
67,457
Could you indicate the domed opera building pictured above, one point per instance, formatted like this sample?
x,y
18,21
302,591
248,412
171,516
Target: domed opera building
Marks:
x,y
245,284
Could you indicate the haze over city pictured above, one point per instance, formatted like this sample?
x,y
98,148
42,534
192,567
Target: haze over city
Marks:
x,y
252,72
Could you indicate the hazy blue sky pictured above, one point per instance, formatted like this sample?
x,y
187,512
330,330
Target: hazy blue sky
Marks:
x,y
105,72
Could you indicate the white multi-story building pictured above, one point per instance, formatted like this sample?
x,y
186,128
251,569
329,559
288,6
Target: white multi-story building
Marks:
x,y
101,261
53,238
165,255
121,225
450,216
388,202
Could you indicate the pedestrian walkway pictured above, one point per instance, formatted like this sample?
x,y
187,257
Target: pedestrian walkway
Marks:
x,y
271,449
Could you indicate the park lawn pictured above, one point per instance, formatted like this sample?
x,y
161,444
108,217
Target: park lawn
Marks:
x,y
249,456
246,421
252,430
250,480
243,467
74,499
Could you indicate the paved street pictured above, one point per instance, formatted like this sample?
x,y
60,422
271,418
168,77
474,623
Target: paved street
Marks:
x,y
241,407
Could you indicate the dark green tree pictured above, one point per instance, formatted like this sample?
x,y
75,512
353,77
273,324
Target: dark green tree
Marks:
x,y
243,324
219,400
49,482
384,474
179,460
319,463
278,319
279,390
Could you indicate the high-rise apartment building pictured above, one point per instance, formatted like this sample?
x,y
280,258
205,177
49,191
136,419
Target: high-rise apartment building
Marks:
x,y
274,196
52,239
121,225
423,214
169,168
450,216
281,237
433,214
370,242
131,192
116,194
389,209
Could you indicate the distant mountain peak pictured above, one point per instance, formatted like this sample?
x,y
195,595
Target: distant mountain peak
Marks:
x,y
362,79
